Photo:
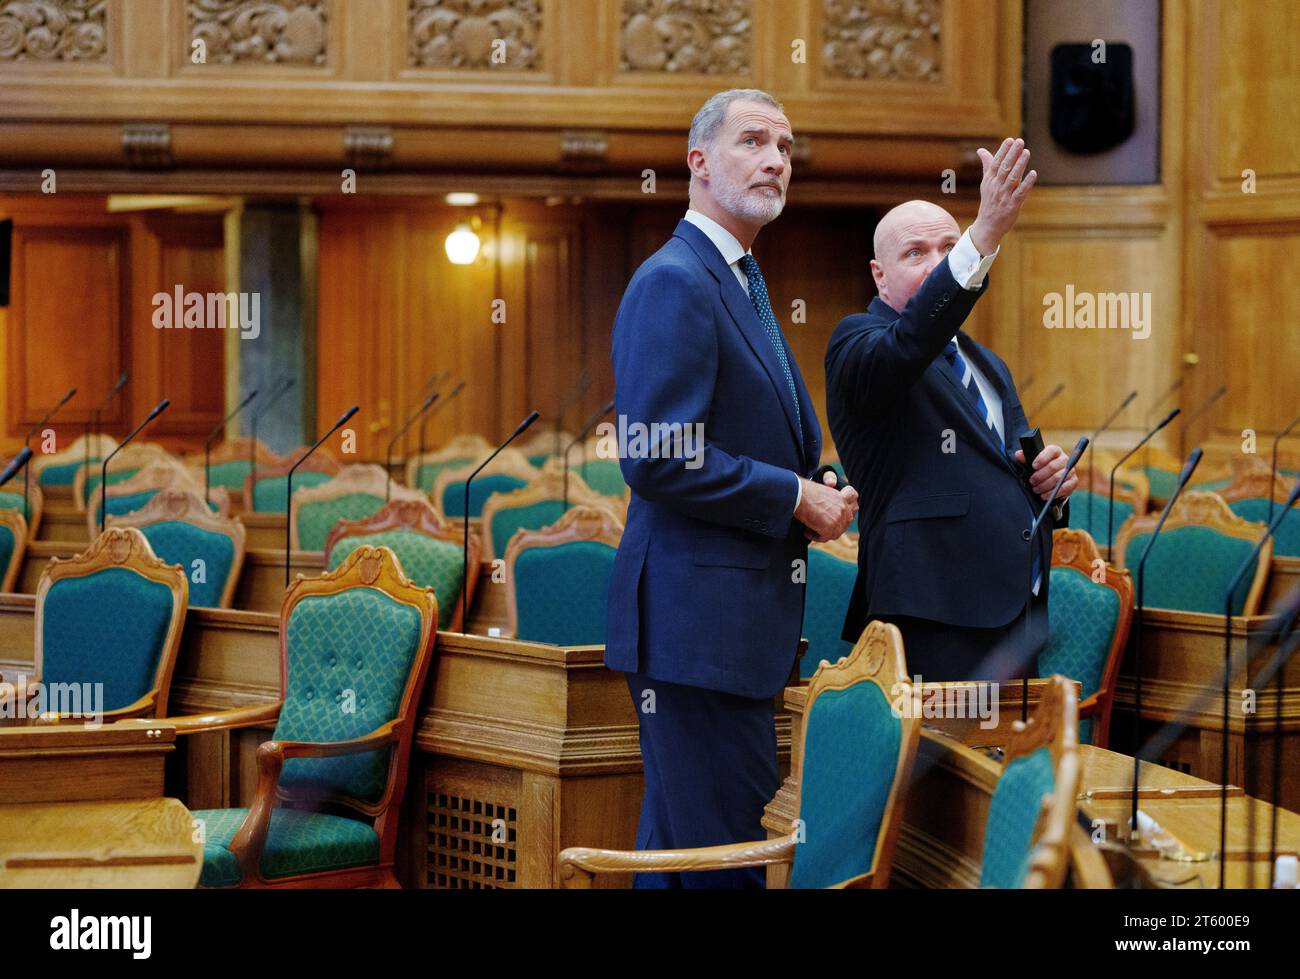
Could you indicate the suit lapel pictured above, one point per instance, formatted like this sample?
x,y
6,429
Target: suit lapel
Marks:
x,y
980,357
741,310
988,436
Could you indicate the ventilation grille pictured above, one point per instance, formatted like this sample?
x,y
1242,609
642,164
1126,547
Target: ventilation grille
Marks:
x,y
471,843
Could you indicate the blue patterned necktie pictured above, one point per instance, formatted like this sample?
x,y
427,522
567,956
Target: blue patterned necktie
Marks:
x,y
976,399
763,306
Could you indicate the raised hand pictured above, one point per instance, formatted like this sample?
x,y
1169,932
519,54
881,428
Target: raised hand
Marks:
x,y
1003,190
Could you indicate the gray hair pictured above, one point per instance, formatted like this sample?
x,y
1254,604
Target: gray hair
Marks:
x,y
707,122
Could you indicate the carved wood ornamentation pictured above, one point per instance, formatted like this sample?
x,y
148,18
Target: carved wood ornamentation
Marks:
x,y
687,37
463,34
882,40
53,30
288,32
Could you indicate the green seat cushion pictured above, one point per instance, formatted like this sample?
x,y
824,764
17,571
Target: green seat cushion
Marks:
x,y
317,518
830,584
7,543
108,627
177,542
561,593
1013,813
604,476
16,501
851,749
1088,511
350,655
1286,541
534,516
428,473
1189,569
115,476
128,502
1083,616
268,494
64,474
297,842
427,561
1161,481
453,494
539,459
231,474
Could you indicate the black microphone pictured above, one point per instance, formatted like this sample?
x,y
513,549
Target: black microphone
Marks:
x,y
424,424
1079,448
92,425
1049,399
1187,422
388,461
1105,425
26,476
276,395
17,463
1193,461
1110,502
1272,472
592,422
103,469
1248,565
288,485
207,445
464,590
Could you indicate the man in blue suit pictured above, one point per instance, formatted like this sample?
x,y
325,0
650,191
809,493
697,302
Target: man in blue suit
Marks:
x,y
706,596
927,423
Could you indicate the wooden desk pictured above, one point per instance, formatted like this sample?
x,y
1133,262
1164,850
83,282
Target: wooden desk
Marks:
x,y
1283,576
264,530
1182,661
82,806
61,522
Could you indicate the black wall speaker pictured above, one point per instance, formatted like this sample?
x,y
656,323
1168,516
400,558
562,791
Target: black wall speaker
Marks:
x,y
6,254
1092,102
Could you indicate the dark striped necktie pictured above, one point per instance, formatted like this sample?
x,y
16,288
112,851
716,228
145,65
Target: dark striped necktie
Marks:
x,y
763,306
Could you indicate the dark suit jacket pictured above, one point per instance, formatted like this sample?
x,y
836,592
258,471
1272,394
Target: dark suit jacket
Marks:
x,y
704,590
943,505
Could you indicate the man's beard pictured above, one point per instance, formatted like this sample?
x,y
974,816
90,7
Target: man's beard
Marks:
x,y
736,199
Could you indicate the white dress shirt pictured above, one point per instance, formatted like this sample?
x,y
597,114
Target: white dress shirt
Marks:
x,y
969,268
732,253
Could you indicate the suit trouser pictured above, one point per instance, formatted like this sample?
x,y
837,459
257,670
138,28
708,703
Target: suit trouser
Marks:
x,y
937,651
710,768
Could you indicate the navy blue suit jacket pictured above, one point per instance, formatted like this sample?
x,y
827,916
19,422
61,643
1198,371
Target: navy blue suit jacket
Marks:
x,y
705,590
941,531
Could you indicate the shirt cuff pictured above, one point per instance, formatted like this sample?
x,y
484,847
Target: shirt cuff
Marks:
x,y
966,264
798,499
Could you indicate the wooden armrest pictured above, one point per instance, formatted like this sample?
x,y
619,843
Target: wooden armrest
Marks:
x,y
860,882
579,864
222,720
326,749
1090,706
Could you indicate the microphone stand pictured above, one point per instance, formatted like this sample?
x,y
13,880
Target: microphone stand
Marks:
x,y
1246,566
1272,472
388,461
575,393
207,446
1110,503
103,469
1193,461
26,442
1080,448
288,488
92,426
1049,399
1187,422
464,589
285,385
591,423
18,461
424,423
1105,425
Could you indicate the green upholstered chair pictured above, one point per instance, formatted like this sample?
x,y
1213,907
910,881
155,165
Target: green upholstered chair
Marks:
x,y
182,529
429,551
30,503
1090,609
355,493
1089,502
1248,497
852,758
355,649
509,471
543,447
111,615
13,545
136,491
1200,549
230,462
126,464
58,470
832,570
1027,835
537,504
557,578
605,476
422,470
265,486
